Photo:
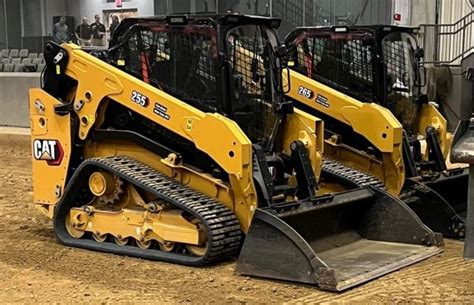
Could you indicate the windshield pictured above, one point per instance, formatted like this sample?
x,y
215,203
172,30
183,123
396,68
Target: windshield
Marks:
x,y
399,59
179,61
343,62
255,77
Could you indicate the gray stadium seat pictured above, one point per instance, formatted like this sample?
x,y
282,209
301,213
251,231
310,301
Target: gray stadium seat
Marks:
x,y
23,53
26,61
5,53
29,68
6,61
8,68
37,61
19,68
16,61
41,55
40,67
33,55
14,53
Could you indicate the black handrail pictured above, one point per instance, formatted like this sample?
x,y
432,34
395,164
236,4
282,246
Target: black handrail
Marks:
x,y
448,44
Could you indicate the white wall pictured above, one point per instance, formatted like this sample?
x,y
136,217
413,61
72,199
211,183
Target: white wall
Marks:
x,y
88,8
53,8
423,12
453,10
14,88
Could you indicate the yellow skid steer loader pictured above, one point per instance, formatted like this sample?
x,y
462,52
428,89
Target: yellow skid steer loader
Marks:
x,y
365,83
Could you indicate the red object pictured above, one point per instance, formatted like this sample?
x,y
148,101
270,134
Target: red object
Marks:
x,y
118,3
145,68
397,17
308,62
59,156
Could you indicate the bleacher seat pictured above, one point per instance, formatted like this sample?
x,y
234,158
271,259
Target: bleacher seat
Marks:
x,y
6,61
40,67
37,61
23,53
14,53
5,53
33,55
16,61
19,68
8,68
29,68
26,61
41,55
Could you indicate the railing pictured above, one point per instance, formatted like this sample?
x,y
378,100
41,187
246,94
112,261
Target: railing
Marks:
x,y
448,44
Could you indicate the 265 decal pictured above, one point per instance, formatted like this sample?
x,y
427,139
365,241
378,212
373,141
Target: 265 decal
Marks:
x,y
50,151
305,92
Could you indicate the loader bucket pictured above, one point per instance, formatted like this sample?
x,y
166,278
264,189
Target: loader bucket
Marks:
x,y
453,188
348,239
429,201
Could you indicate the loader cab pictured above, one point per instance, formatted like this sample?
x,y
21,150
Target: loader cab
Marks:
x,y
378,64
217,63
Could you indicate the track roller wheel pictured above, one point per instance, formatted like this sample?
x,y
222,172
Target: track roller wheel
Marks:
x,y
100,238
121,241
146,244
167,246
201,249
71,227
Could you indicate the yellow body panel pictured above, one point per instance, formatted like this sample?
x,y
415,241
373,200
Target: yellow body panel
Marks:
x,y
51,143
375,123
428,115
310,131
181,118
142,225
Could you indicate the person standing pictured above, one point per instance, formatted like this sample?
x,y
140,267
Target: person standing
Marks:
x,y
98,32
113,25
61,31
84,33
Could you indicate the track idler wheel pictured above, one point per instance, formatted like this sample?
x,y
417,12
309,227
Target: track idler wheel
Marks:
x,y
73,226
201,249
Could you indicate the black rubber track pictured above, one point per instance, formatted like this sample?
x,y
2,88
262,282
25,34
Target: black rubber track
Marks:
x,y
349,175
223,228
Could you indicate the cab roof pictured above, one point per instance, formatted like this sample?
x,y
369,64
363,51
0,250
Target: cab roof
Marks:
x,y
200,19
341,29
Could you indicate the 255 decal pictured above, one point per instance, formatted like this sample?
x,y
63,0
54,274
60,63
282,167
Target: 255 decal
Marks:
x,y
140,99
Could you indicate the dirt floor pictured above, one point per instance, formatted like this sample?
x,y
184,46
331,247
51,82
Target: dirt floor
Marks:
x,y
35,268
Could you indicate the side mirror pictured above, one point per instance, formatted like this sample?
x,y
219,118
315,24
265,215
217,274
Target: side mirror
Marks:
x,y
254,70
419,53
420,77
281,51
237,88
